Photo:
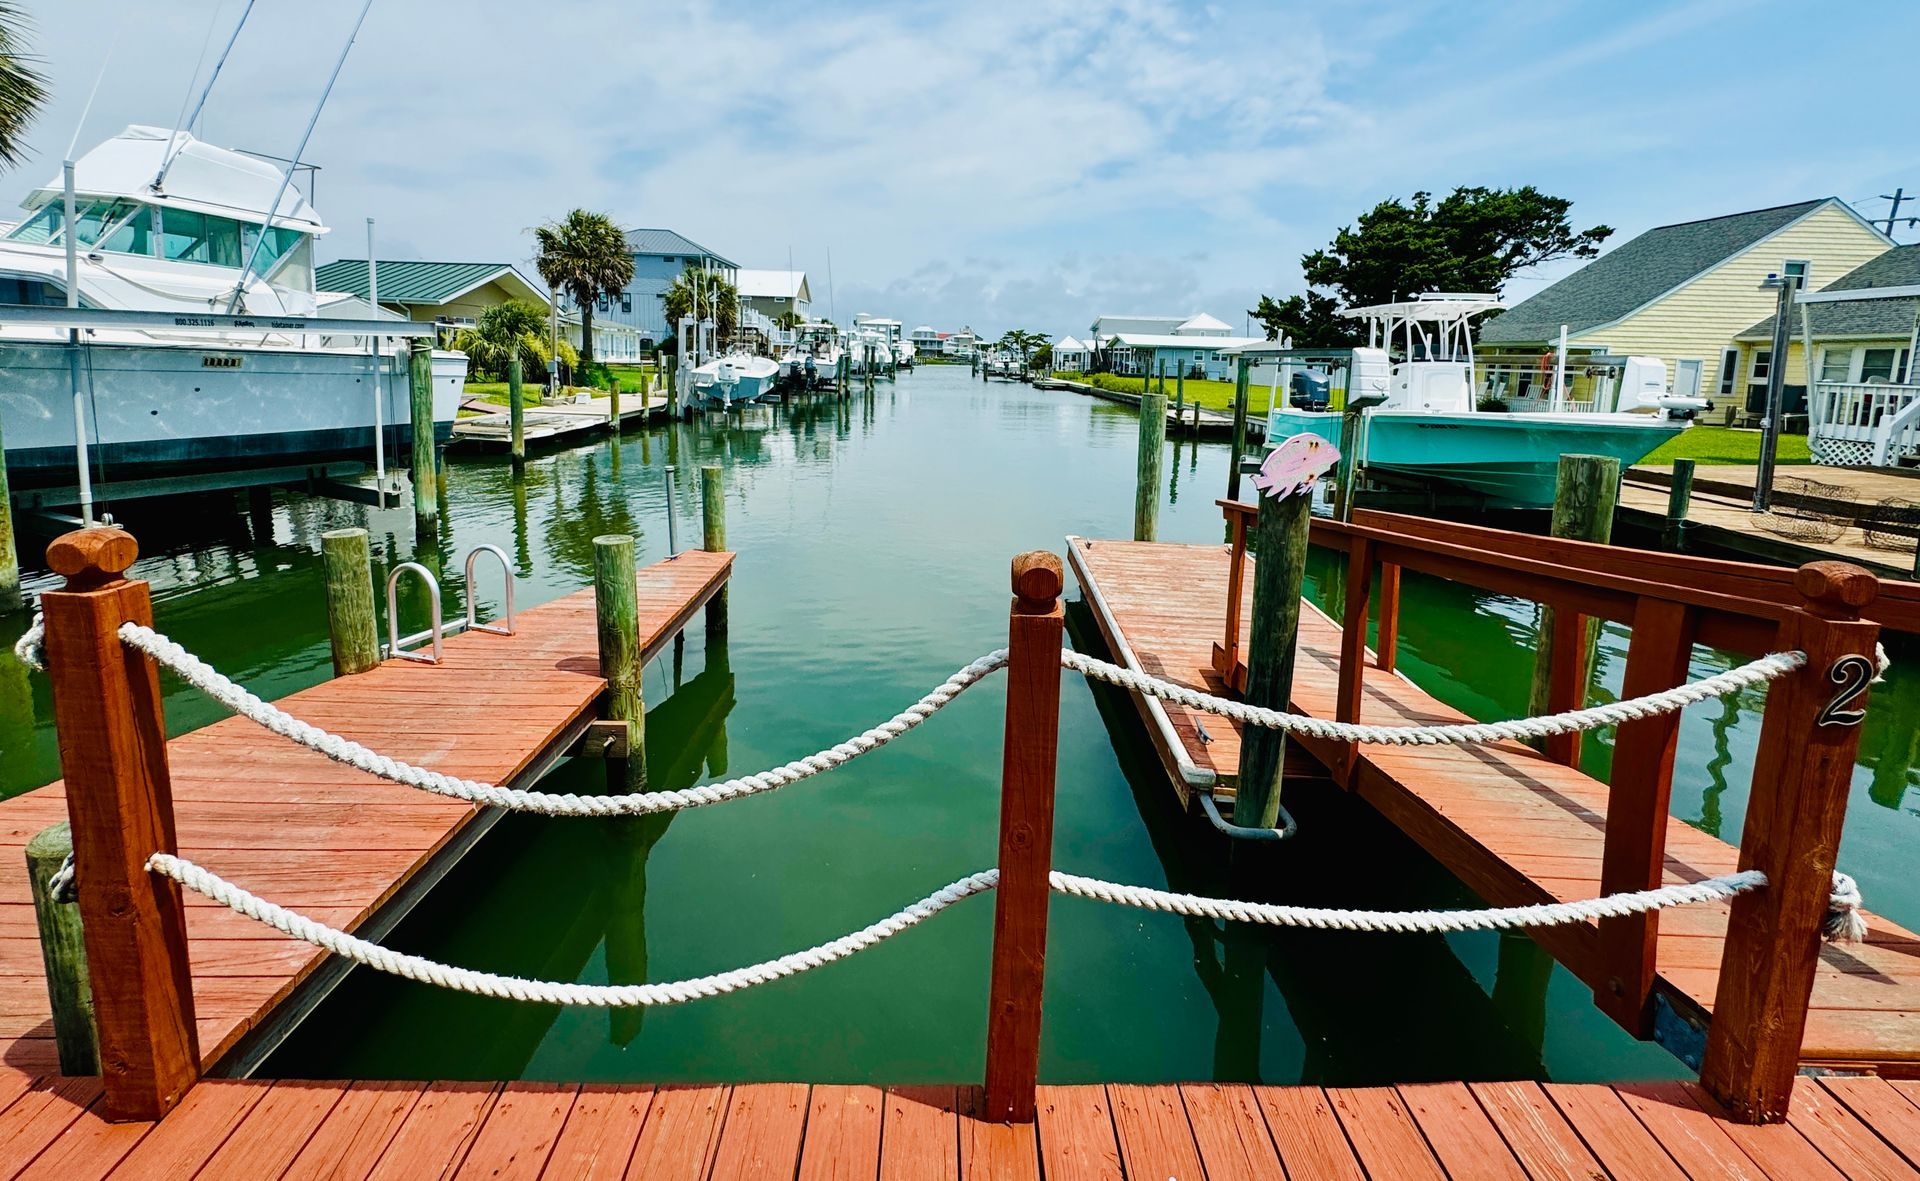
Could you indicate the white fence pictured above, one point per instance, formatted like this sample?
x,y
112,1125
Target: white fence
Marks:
x,y
1860,423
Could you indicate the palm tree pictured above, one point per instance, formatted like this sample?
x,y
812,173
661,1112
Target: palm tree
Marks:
x,y
501,331
714,296
585,255
22,88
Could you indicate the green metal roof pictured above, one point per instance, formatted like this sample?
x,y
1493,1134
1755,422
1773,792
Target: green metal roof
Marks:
x,y
1633,275
413,282
655,241
1870,317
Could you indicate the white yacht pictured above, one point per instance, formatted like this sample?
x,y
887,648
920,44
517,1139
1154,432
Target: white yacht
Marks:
x,y
735,378
165,223
815,355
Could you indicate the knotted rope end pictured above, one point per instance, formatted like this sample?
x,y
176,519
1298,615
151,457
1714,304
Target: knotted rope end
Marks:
x,y
1844,922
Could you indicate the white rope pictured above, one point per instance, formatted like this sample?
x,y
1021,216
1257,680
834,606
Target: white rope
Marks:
x,y
1758,672
1547,914
203,677
548,992
30,648
1844,923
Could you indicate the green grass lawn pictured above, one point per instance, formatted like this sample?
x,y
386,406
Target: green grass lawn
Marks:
x,y
1719,444
1214,395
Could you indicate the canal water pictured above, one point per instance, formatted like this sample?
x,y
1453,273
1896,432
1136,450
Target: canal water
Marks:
x,y
874,537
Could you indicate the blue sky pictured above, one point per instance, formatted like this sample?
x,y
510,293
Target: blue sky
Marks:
x,y
1011,164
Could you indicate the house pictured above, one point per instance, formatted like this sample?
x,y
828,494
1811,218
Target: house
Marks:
x,y
452,292
774,294
658,258
926,341
1070,355
1863,350
1680,293
964,344
1138,345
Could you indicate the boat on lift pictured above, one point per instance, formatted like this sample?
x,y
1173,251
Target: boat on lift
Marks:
x,y
735,378
212,369
1416,390
814,358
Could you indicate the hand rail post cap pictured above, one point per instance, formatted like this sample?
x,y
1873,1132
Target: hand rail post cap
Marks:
x,y
91,558
1038,577
1836,588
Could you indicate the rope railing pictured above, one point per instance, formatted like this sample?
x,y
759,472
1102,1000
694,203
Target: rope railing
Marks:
x,y
202,676
425,971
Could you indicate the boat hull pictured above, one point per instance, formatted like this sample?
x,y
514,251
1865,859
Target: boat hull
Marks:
x,y
170,409
1510,459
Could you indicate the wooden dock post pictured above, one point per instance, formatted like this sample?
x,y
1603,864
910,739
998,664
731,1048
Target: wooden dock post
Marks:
x,y
1179,395
516,413
1239,428
1160,378
1153,444
1583,502
1673,532
1029,750
713,537
426,509
616,613
113,756
63,950
613,407
1280,541
1803,767
347,560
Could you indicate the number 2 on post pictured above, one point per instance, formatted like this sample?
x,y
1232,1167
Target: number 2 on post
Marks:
x,y
1852,674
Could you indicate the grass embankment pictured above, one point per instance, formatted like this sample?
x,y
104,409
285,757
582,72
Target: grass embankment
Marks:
x,y
1214,395
628,376
1718,444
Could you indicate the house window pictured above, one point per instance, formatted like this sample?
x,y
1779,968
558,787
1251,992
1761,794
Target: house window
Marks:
x,y
1797,269
1836,364
1757,374
1729,371
626,301
1883,366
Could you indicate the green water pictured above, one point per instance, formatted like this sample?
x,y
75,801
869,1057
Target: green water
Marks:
x,y
874,539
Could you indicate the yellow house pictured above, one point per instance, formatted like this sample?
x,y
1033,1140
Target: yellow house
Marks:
x,y
1681,293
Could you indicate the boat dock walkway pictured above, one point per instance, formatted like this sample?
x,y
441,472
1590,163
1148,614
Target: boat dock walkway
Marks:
x,y
340,845
414,1131
1212,423
544,426
1516,826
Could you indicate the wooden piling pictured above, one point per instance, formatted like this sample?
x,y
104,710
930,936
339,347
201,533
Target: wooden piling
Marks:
x,y
347,559
1179,393
1803,768
613,407
1673,532
1160,378
1349,465
10,597
113,757
516,413
1583,503
616,613
426,509
1029,749
63,951
1153,443
1239,427
1280,547
673,386
713,537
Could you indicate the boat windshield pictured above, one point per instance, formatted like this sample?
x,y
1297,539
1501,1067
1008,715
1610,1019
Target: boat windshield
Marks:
x,y
178,235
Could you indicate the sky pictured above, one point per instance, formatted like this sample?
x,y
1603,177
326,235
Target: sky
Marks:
x,y
1005,163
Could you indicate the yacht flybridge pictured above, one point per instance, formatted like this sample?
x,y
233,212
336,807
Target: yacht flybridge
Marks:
x,y
1416,390
194,345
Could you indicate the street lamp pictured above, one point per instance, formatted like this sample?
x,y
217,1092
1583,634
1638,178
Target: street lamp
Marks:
x,y
1776,389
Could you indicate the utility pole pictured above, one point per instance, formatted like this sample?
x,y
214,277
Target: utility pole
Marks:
x,y
1899,197
1786,286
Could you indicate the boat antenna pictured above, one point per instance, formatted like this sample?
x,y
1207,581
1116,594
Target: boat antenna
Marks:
x,y
185,120
286,178
831,313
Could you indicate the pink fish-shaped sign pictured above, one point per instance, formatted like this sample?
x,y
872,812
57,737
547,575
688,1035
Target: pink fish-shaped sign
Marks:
x,y
1294,465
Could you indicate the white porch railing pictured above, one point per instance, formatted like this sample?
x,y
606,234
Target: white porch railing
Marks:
x,y
1860,422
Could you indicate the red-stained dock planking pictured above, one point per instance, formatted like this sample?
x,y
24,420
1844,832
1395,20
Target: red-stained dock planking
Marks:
x,y
1514,825
327,840
258,1130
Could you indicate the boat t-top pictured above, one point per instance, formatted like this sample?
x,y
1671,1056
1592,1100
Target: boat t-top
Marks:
x,y
1417,392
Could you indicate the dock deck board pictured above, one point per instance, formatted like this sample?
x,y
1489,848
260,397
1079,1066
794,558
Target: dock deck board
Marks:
x,y
1513,825
320,837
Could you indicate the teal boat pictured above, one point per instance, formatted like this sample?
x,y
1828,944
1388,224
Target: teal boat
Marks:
x,y
1419,421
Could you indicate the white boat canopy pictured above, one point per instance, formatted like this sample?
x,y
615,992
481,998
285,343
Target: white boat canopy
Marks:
x,y
1443,305
202,178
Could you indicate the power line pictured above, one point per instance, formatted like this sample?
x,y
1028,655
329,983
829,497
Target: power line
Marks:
x,y
1899,197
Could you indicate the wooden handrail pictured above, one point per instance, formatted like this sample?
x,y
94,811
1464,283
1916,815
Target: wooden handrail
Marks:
x,y
113,757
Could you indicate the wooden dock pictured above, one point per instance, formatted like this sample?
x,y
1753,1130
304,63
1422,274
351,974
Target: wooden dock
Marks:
x,y
1213,423
344,847
1516,826
550,425
416,1131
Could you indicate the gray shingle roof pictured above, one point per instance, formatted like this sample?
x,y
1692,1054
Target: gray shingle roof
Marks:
x,y
667,242
1636,273
411,282
1870,317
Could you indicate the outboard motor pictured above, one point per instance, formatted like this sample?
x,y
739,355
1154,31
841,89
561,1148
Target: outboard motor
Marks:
x,y
1308,390
1643,382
